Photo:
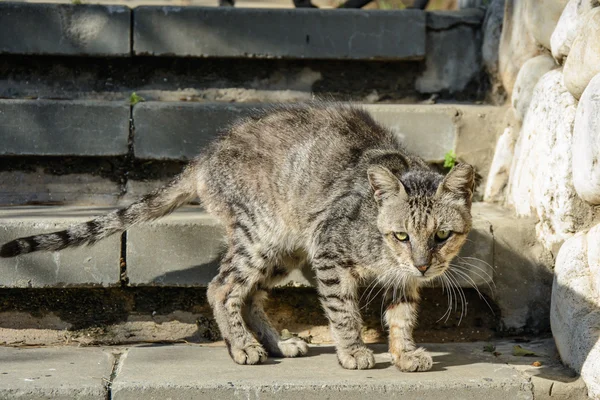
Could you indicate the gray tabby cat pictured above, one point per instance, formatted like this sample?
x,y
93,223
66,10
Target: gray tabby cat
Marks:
x,y
324,184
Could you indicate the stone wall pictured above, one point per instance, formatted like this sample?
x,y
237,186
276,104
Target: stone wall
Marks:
x,y
546,160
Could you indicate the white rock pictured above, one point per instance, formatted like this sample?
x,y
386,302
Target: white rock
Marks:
x,y
540,181
541,18
527,78
567,27
517,44
586,144
583,62
575,307
497,181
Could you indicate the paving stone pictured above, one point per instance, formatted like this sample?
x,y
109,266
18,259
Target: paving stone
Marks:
x,y
97,265
64,29
60,373
182,249
204,372
281,33
61,128
180,130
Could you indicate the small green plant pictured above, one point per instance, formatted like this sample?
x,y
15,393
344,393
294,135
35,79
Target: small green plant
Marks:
x,y
489,348
450,159
76,2
522,352
134,99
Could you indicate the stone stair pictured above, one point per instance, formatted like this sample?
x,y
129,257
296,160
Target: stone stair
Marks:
x,y
130,95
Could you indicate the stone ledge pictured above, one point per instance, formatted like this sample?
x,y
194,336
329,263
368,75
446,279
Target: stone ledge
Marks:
x,y
84,266
55,373
184,249
64,128
460,371
264,33
179,130
207,372
64,29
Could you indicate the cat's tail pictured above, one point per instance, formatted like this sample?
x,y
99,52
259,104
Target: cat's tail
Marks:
x,y
159,203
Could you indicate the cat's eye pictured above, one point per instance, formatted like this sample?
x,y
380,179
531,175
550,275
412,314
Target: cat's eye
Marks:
x,y
442,235
401,236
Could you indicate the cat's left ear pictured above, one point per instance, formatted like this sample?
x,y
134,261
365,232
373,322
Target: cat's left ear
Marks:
x,y
460,182
384,183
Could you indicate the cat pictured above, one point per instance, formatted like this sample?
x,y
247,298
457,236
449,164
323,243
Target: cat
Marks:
x,y
320,183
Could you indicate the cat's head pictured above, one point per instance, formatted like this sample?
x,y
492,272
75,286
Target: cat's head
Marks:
x,y
424,217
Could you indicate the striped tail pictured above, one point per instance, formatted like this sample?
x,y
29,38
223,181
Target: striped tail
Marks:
x,y
157,204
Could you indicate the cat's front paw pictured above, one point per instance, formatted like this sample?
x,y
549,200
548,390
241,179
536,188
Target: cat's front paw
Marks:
x,y
413,361
292,347
252,353
361,358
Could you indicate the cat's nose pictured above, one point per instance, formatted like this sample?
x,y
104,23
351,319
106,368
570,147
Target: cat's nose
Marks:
x,y
423,268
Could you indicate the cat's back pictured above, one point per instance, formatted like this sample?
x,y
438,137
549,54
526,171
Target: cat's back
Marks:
x,y
316,131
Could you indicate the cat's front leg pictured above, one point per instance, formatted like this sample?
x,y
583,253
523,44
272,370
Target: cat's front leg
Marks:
x,y
337,291
400,317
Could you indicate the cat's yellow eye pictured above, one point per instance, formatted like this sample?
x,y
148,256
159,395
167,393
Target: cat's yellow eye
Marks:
x,y
440,236
401,236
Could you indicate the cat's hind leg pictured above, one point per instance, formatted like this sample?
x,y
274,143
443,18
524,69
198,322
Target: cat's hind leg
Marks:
x,y
227,293
258,321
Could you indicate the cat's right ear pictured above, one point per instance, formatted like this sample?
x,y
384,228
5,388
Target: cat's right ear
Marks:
x,y
384,183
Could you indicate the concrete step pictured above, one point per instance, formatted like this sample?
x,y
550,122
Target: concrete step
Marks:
x,y
460,371
37,130
180,250
117,31
183,250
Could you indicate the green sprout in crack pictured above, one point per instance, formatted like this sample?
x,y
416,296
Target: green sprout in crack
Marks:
x,y
450,159
134,99
76,2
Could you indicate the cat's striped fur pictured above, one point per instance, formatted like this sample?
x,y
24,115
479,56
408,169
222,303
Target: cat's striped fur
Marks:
x,y
322,184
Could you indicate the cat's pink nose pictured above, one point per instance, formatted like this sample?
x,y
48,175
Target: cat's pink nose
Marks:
x,y
423,268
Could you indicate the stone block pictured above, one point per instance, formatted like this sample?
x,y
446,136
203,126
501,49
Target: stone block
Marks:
x,y
96,265
183,249
546,140
64,128
586,144
207,372
568,26
60,373
583,62
541,18
65,29
279,33
181,130
575,312
450,68
528,76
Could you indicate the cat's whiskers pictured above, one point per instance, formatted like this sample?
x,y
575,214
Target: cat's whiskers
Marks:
x,y
464,269
463,297
472,283
443,279
462,260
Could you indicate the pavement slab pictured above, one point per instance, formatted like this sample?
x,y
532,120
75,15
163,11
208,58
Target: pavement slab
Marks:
x,y
60,373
